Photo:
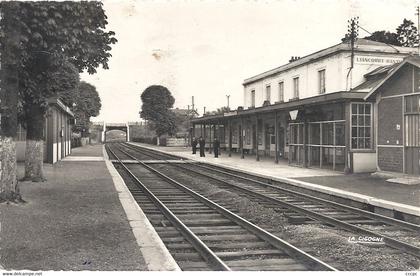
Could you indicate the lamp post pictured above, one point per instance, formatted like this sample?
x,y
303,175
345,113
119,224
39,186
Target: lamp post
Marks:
x,y
228,96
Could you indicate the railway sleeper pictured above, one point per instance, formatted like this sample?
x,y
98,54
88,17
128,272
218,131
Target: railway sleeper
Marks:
x,y
228,237
214,238
224,246
266,264
260,254
194,266
174,233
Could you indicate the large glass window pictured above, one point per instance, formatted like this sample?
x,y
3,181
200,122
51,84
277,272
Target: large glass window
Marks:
x,y
253,98
281,91
268,93
296,88
321,81
361,125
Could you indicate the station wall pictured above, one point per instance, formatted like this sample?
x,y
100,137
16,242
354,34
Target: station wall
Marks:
x,y
336,68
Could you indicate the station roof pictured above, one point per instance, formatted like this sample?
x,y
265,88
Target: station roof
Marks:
x,y
285,106
382,76
60,105
361,45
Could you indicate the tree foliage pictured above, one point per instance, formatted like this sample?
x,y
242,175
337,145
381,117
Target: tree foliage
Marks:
x,y
85,103
157,101
52,33
384,37
407,34
219,111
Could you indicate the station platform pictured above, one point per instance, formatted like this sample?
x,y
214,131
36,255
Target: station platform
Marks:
x,y
365,188
79,219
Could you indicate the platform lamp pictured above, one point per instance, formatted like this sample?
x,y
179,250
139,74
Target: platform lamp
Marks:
x,y
228,96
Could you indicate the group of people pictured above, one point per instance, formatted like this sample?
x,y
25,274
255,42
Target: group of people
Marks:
x,y
202,143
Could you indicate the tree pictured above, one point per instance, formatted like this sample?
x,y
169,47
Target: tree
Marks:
x,y
157,101
52,32
10,47
87,105
219,111
164,123
407,34
384,37
64,80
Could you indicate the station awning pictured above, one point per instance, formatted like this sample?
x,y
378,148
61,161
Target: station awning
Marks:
x,y
285,106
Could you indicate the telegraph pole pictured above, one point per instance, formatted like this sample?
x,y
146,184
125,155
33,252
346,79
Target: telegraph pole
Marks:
x,y
353,31
418,29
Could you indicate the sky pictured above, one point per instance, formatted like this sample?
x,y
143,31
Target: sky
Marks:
x,y
206,49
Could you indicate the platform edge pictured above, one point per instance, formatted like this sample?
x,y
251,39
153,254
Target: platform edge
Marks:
x,y
155,253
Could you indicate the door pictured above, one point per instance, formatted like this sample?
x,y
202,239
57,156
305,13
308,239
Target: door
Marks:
x,y
412,144
240,138
267,140
280,142
254,138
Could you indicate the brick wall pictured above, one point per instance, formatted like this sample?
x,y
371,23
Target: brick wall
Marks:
x,y
389,117
399,83
390,159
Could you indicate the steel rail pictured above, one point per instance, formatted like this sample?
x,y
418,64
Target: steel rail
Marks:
x,y
317,216
215,262
382,218
290,249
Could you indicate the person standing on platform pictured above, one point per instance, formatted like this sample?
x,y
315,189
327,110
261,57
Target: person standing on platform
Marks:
x,y
202,144
194,145
216,146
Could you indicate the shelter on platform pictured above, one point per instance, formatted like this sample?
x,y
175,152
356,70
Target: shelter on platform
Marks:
x,y
57,133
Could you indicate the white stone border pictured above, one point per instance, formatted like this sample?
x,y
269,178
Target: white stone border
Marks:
x,y
155,253
390,205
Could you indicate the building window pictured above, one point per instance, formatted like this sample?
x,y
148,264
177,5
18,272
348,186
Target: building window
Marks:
x,y
253,98
268,93
361,125
281,91
296,88
321,81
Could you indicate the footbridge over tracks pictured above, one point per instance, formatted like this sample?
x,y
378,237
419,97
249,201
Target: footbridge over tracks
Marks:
x,y
105,127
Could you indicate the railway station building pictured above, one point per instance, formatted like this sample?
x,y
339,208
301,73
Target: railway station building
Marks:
x,y
322,110
57,133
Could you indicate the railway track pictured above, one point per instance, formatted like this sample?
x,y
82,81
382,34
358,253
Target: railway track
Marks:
x,y
201,234
300,208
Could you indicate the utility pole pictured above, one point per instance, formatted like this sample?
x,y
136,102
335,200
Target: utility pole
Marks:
x,y
353,32
228,96
418,29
